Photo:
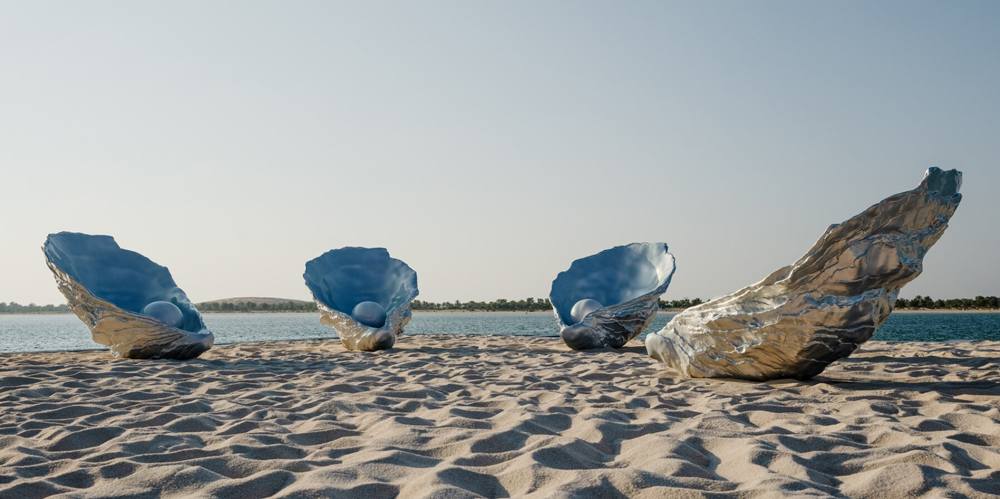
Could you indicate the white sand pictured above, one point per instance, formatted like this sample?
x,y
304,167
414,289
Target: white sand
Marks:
x,y
441,417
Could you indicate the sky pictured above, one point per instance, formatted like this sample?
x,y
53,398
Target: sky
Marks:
x,y
489,144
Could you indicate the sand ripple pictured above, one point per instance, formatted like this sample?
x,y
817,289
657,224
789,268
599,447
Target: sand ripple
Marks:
x,y
463,417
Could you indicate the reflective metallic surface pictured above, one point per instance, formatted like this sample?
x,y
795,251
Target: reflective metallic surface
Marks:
x,y
107,288
628,280
821,308
342,278
357,336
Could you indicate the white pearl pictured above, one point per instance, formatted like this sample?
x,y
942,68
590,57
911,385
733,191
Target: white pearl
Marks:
x,y
165,312
369,313
583,308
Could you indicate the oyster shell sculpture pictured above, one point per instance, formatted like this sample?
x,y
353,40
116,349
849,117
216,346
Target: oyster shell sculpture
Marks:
x,y
821,308
364,294
130,303
605,300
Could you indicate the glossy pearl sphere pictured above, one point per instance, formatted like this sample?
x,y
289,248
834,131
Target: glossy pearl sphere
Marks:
x,y
165,312
369,313
583,308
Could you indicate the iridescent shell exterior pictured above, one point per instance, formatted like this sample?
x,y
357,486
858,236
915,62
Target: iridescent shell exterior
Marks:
x,y
802,317
627,280
107,287
341,278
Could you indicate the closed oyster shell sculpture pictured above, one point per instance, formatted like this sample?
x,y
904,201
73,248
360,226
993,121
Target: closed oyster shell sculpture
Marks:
x,y
821,308
605,300
357,281
109,288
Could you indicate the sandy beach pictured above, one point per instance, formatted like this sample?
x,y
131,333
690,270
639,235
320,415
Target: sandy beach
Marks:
x,y
442,417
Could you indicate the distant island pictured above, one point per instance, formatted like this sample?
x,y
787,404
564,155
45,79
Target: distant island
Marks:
x,y
256,304
524,305
261,304
16,308
501,305
977,303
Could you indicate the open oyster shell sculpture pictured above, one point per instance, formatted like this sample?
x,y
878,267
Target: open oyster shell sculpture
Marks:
x,y
821,308
109,288
605,300
341,279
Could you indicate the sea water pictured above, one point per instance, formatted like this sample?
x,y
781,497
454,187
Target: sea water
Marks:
x,y
34,333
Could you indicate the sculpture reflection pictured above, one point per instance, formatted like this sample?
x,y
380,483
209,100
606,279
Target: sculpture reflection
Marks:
x,y
130,303
605,300
821,308
364,294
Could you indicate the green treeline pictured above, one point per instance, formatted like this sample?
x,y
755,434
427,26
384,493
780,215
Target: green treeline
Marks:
x,y
249,306
501,305
524,305
979,302
31,308
680,304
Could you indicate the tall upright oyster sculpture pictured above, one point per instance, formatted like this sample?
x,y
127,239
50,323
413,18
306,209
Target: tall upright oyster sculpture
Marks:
x,y
605,300
364,294
130,303
821,308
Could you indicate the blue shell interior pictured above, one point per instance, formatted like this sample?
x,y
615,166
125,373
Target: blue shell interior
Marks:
x,y
612,276
124,278
342,278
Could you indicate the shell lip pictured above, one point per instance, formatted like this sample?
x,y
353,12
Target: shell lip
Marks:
x,y
54,255
561,307
393,319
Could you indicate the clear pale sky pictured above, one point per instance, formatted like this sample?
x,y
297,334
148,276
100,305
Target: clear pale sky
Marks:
x,y
489,144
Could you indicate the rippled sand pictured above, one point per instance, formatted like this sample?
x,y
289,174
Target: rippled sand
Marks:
x,y
495,417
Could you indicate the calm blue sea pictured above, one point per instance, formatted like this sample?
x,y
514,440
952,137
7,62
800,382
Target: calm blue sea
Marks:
x,y
33,333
